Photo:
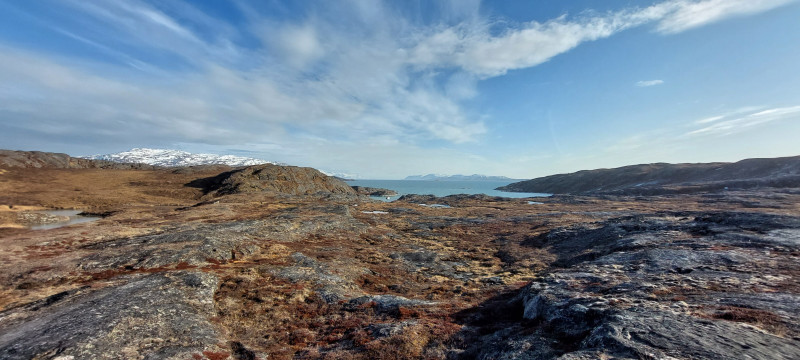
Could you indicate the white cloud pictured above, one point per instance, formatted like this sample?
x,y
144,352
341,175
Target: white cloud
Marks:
x,y
735,112
362,90
473,48
739,124
685,15
349,73
300,45
709,119
647,83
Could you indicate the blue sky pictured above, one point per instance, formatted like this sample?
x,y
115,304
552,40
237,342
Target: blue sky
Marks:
x,y
388,89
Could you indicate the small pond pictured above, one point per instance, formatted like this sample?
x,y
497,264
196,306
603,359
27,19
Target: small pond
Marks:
x,y
70,217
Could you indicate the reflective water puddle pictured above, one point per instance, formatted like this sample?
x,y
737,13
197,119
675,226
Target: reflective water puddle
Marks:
x,y
71,218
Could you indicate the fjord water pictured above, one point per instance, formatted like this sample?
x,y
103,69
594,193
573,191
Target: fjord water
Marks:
x,y
443,187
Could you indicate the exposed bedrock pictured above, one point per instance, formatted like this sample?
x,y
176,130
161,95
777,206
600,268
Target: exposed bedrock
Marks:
x,y
141,316
371,191
671,285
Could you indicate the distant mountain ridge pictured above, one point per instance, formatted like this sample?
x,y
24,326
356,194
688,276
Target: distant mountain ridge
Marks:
x,y
663,178
473,177
172,158
48,160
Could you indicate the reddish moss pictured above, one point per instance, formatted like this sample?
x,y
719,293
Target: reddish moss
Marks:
x,y
183,265
216,355
213,261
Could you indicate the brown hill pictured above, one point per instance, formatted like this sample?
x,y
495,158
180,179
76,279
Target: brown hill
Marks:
x,y
273,178
663,178
40,159
260,178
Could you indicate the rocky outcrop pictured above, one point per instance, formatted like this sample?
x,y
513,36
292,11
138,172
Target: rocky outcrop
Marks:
x,y
212,243
264,274
154,316
662,178
39,159
371,191
671,285
275,178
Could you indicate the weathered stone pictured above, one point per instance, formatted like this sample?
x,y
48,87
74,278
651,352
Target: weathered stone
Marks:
x,y
154,316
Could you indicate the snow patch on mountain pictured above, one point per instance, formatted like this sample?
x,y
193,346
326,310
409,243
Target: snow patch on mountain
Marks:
x,y
166,157
339,174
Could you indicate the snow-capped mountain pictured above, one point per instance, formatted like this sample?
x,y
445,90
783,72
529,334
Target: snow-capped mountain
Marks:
x,y
165,157
339,174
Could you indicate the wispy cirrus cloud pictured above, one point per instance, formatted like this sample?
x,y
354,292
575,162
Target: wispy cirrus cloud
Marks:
x,y
351,70
710,119
733,113
684,15
727,124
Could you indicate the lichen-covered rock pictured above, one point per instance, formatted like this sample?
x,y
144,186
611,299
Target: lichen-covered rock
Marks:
x,y
208,243
158,316
651,287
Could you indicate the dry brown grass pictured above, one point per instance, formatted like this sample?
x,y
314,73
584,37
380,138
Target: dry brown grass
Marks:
x,y
763,319
94,188
289,320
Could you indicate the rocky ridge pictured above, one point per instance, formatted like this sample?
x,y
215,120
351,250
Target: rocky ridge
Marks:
x,y
371,191
662,178
656,286
39,159
276,178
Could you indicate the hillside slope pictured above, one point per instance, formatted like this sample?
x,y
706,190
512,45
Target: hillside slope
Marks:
x,y
40,159
274,178
662,178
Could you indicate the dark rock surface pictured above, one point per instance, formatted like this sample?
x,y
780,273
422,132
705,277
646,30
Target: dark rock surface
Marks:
x,y
143,316
384,303
191,245
662,178
371,191
330,286
208,243
663,285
